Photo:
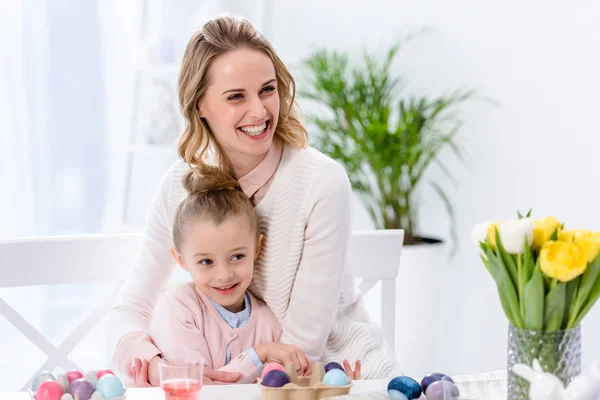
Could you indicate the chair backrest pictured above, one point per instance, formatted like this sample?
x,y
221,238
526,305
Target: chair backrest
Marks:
x,y
375,256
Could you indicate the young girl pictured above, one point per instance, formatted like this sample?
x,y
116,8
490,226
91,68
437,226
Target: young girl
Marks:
x,y
215,318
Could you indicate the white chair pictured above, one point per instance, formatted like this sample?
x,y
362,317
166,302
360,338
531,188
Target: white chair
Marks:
x,y
375,256
86,259
64,260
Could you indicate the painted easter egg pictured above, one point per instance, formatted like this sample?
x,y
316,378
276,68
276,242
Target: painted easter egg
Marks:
x,y
66,396
272,366
44,376
103,372
275,378
396,395
73,375
333,365
405,385
81,388
434,377
442,390
49,390
110,386
90,376
336,377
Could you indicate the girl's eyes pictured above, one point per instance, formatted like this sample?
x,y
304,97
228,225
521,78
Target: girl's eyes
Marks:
x,y
238,257
206,262
238,96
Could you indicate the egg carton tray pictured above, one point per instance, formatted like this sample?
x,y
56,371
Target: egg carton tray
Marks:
x,y
304,388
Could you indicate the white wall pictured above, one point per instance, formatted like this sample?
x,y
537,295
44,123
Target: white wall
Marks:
x,y
539,149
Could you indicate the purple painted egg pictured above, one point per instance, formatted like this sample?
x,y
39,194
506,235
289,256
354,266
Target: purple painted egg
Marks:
x,y
81,388
333,365
442,390
275,379
434,377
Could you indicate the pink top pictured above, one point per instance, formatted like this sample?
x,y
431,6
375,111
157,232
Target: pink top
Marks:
x,y
255,185
186,324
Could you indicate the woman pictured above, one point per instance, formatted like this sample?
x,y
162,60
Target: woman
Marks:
x,y
238,101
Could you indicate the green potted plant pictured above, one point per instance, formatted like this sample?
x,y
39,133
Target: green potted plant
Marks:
x,y
386,142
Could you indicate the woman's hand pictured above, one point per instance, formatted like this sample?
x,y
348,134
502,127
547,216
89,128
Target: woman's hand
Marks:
x,y
285,354
352,375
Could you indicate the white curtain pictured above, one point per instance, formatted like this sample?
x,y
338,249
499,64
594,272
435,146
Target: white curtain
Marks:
x,y
16,194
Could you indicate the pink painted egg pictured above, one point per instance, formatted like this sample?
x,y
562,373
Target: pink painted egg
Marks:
x,y
49,390
272,366
73,375
103,372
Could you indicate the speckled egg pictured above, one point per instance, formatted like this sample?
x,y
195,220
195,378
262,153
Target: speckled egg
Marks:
x,y
442,390
275,379
396,395
336,377
405,385
333,365
110,386
272,366
82,388
44,376
49,390
434,377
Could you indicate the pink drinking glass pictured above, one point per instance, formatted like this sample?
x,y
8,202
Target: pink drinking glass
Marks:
x,y
181,379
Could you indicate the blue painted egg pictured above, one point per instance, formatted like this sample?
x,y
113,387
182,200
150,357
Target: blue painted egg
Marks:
x,y
434,377
442,390
405,385
275,379
44,376
396,395
336,377
333,365
110,386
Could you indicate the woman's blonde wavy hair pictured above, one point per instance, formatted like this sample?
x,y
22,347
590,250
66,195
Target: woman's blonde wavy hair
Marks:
x,y
217,36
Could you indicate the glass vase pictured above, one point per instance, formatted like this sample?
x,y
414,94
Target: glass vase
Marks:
x,y
559,353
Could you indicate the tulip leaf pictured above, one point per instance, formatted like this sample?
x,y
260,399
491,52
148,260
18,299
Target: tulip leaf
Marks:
x,y
507,260
554,235
594,295
533,297
528,263
570,301
588,279
554,307
506,289
507,295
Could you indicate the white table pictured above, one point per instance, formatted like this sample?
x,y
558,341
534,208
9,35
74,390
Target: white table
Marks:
x,y
488,386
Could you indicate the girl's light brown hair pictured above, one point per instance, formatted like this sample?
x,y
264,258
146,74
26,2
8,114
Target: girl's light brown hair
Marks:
x,y
215,195
217,36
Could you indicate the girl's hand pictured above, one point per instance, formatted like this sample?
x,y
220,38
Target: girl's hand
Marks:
x,y
285,354
139,371
352,375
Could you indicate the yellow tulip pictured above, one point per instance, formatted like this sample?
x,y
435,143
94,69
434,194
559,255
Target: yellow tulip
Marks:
x,y
586,241
562,260
491,233
543,229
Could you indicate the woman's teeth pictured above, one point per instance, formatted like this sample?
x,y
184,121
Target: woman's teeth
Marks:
x,y
254,130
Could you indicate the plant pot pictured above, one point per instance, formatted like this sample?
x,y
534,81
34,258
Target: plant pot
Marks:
x,y
418,299
559,353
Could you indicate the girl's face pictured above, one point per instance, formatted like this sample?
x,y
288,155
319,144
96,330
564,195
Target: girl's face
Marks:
x,y
241,103
220,258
